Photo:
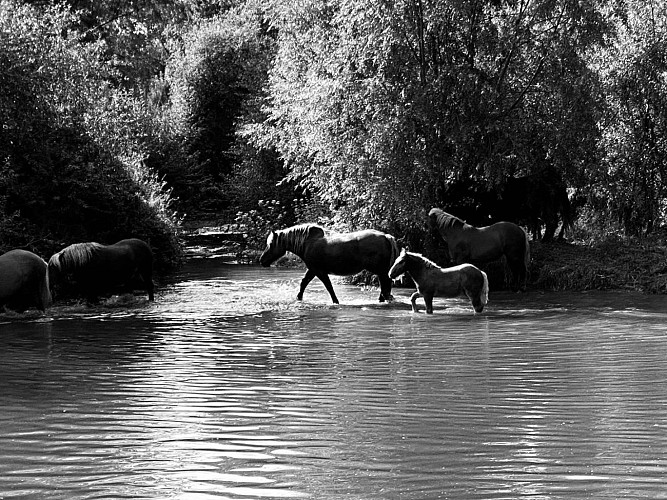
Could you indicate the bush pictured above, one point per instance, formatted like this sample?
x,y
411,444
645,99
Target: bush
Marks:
x,y
71,145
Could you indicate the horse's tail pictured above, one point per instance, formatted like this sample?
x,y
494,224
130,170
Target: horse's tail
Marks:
x,y
394,249
484,294
479,300
45,291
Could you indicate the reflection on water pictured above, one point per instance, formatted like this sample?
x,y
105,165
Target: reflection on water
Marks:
x,y
226,387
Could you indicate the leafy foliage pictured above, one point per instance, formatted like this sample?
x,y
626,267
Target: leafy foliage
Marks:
x,y
113,112
634,71
69,148
215,78
375,107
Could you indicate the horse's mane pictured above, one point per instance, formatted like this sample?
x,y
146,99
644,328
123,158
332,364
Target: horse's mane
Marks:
x,y
74,256
445,220
427,262
293,238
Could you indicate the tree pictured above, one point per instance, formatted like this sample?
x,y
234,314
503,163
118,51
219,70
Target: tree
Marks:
x,y
634,71
216,80
375,106
70,145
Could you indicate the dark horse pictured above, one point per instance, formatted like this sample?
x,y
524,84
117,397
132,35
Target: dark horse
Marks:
x,y
536,199
341,254
24,281
469,244
434,281
96,269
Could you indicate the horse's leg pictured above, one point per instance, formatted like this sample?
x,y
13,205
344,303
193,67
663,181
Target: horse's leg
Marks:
x,y
150,287
561,233
476,301
518,272
307,278
324,278
413,300
428,300
147,278
551,224
385,287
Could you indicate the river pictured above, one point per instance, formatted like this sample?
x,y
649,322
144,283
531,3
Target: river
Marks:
x,y
228,388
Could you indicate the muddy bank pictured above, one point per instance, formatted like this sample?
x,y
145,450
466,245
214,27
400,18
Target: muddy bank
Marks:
x,y
613,264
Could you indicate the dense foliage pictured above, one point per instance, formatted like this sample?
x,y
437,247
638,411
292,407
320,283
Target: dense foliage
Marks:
x,y
116,116
378,106
70,147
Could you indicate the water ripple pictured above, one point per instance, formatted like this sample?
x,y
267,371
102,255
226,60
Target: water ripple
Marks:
x,y
227,387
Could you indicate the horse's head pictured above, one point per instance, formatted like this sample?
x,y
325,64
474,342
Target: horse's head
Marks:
x,y
272,252
399,265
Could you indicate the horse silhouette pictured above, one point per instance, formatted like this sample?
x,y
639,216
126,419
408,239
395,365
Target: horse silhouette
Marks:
x,y
342,254
24,281
95,269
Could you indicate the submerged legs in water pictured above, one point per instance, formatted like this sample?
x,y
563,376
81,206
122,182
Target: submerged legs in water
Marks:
x,y
324,278
428,301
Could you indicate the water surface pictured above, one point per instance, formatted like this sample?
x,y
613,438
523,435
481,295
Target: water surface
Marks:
x,y
226,387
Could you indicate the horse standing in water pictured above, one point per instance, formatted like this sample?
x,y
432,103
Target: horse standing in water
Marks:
x,y
474,245
341,254
435,281
24,281
96,269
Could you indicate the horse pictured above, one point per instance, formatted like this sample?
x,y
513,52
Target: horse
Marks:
x,y
342,254
96,269
469,244
435,281
24,281
536,199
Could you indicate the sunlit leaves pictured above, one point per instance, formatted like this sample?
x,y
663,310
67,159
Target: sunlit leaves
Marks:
x,y
634,71
375,104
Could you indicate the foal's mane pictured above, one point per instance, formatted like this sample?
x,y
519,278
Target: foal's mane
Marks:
x,y
427,262
445,220
293,238
75,255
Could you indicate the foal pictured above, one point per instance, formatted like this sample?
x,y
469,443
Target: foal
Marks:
x,y
432,280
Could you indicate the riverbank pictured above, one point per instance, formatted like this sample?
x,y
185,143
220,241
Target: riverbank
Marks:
x,y
614,264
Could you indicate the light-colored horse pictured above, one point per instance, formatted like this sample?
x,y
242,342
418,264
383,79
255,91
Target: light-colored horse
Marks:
x,y
435,281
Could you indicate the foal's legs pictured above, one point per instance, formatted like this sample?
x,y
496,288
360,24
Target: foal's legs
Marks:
x,y
413,299
428,300
476,301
